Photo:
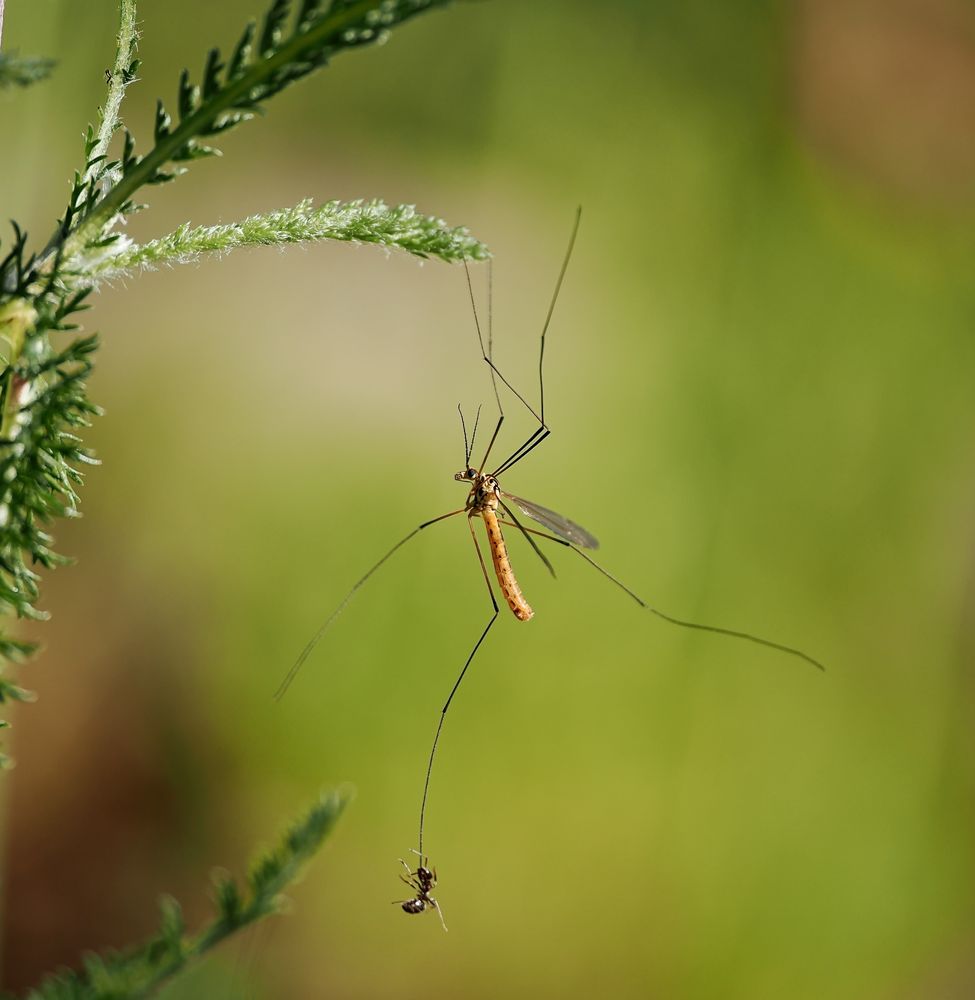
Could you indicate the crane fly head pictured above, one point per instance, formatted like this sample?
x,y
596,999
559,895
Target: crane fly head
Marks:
x,y
467,475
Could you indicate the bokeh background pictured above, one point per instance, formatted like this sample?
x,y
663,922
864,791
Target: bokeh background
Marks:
x,y
760,379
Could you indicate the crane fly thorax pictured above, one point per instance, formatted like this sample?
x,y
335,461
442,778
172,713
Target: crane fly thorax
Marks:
x,y
485,491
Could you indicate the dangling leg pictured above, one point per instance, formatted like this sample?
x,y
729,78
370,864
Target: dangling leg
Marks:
x,y
453,690
316,638
439,909
486,354
528,538
494,437
790,650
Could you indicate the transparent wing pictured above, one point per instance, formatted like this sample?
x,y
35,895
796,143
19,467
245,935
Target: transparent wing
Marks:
x,y
556,523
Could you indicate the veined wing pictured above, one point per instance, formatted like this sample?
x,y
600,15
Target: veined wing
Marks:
x,y
556,523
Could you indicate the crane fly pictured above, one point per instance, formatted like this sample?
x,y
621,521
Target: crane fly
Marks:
x,y
488,502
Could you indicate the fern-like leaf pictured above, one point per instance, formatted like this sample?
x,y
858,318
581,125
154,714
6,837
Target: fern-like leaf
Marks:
x,y
290,45
140,971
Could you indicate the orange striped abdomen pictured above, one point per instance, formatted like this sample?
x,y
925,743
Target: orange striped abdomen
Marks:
x,y
502,567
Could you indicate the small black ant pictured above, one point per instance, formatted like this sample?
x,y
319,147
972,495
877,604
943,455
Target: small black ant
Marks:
x,y
421,881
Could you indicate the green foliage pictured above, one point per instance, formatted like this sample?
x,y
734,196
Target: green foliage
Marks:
x,y
359,221
140,971
291,42
43,398
22,71
44,405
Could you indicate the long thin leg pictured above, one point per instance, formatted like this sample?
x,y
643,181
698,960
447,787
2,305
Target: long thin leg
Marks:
x,y
453,690
316,638
734,633
486,356
534,440
494,437
439,909
528,538
551,310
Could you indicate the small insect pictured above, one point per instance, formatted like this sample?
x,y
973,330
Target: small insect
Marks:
x,y
488,502
421,881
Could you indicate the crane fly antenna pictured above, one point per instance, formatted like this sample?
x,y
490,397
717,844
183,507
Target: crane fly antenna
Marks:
x,y
463,427
477,417
317,637
717,629
468,449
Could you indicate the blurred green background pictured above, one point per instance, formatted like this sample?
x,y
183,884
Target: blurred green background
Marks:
x,y
760,379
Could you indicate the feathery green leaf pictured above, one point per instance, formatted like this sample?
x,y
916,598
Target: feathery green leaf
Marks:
x,y
401,228
290,46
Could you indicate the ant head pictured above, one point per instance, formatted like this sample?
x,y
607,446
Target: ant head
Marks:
x,y
426,876
467,475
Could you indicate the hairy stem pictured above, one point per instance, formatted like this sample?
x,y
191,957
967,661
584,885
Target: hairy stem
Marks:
x,y
127,37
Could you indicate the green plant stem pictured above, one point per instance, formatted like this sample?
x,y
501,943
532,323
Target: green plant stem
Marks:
x,y
127,37
93,226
